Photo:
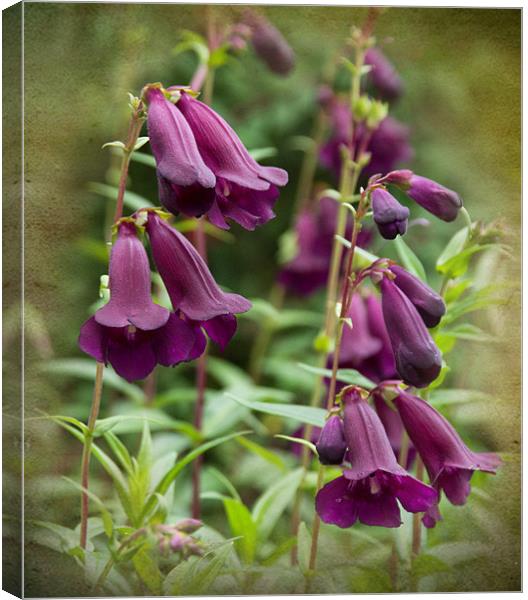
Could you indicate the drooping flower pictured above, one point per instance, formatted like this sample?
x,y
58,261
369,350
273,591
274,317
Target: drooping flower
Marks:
x,y
368,491
185,182
131,332
245,191
418,360
269,44
383,75
331,445
390,216
427,302
435,198
449,462
389,147
314,234
190,285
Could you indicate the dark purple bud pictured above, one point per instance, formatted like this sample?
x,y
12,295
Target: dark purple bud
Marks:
x,y
435,198
190,284
390,216
130,300
418,360
383,75
449,462
427,302
185,182
269,44
245,191
369,490
331,445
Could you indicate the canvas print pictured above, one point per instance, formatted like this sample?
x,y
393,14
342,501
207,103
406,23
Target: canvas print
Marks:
x,y
261,299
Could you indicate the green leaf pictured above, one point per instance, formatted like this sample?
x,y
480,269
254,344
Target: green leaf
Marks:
x,y
427,564
297,440
409,259
279,551
304,414
475,300
171,475
141,141
454,247
274,501
264,453
116,144
85,369
455,553
350,376
148,570
131,200
304,543
454,291
444,397
242,526
145,159
459,264
105,514
261,153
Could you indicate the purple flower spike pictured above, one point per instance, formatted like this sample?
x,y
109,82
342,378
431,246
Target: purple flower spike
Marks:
x,y
383,75
388,147
245,191
435,198
390,216
383,366
393,427
427,302
191,287
418,360
130,300
331,445
185,182
369,490
358,342
449,462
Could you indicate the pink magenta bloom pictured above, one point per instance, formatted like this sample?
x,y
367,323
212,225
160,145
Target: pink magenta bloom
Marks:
x,y
190,285
368,491
131,332
245,191
449,462
418,360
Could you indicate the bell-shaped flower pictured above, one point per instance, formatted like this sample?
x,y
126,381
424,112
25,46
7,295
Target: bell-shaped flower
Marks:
x,y
245,191
390,216
331,445
435,198
131,332
427,302
368,491
449,462
185,182
383,75
418,360
269,44
190,285
381,366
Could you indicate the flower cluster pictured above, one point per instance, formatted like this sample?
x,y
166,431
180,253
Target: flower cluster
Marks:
x,y
131,332
202,166
373,480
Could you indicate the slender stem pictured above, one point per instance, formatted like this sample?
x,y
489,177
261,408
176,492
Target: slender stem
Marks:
x,y
417,521
85,461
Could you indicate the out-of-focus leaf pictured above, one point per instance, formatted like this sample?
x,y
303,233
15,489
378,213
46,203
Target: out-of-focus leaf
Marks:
x,y
279,551
304,414
262,153
409,259
304,542
264,453
93,248
281,319
158,420
105,514
143,158
243,526
427,564
297,440
350,376
458,265
131,200
445,397
453,248
274,501
85,369
148,570
474,300
120,450
455,553
454,291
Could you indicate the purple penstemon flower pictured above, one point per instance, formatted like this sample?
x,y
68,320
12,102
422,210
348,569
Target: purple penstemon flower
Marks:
x,y
418,360
368,491
390,216
427,302
449,462
245,191
191,287
131,332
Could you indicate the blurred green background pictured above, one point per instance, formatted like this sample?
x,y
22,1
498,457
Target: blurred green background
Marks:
x,y
461,69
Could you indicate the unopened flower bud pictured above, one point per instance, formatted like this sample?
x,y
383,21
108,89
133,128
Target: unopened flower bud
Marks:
x,y
383,75
331,446
435,198
188,525
270,45
427,302
390,216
